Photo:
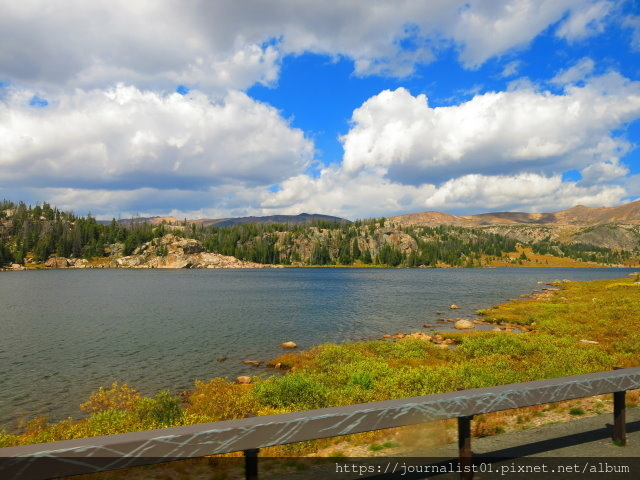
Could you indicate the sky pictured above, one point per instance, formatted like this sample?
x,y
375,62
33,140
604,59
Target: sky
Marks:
x,y
358,109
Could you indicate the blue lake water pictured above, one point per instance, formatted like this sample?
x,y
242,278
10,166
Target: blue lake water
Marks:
x,y
64,333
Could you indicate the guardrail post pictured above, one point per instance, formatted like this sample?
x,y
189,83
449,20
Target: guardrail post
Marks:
x,y
251,463
464,447
619,418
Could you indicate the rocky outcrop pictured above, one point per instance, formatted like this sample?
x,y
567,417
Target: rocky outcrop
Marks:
x,y
168,251
171,251
57,262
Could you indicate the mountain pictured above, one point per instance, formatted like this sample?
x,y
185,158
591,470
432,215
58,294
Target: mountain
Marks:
x,y
301,219
628,214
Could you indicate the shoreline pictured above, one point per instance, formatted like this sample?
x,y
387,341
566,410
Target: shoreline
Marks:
x,y
381,364
39,267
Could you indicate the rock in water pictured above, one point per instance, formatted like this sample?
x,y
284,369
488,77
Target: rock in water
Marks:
x,y
454,307
463,324
288,345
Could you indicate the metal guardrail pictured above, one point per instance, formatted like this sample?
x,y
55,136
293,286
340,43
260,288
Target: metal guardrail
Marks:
x,y
88,455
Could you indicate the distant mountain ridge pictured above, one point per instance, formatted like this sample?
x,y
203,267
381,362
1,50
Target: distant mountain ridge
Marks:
x,y
300,219
579,215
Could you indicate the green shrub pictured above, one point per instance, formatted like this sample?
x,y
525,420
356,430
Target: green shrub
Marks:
x,y
163,410
294,390
362,380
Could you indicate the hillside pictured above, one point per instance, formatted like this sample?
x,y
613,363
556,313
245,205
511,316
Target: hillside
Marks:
x,y
44,236
580,215
616,228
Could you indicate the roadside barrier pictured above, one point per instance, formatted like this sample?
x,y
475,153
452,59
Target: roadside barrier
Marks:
x,y
88,455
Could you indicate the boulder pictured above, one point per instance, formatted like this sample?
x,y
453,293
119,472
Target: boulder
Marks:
x,y
115,249
79,263
463,324
190,246
454,307
427,325
255,363
288,345
242,380
57,262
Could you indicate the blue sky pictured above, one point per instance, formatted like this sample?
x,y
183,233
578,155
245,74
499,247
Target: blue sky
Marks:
x,y
363,109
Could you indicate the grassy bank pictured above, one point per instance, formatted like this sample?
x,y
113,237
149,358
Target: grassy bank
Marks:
x,y
604,313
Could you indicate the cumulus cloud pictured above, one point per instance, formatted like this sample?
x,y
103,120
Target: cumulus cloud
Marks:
x,y
633,22
603,172
501,151
525,191
576,73
352,196
228,44
126,138
492,28
218,201
400,136
586,22
366,194
119,137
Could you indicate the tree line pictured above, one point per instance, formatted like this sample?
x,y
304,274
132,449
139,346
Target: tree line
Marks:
x,y
41,231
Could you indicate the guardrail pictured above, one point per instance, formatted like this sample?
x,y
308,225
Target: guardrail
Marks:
x,y
88,455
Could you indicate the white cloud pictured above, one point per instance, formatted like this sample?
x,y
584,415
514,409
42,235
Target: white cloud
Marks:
x,y
487,29
352,196
632,184
126,138
603,172
229,44
107,146
401,137
586,22
212,202
511,69
498,151
633,22
365,194
525,191
577,73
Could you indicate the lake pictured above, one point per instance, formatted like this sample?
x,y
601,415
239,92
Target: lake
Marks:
x,y
64,333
